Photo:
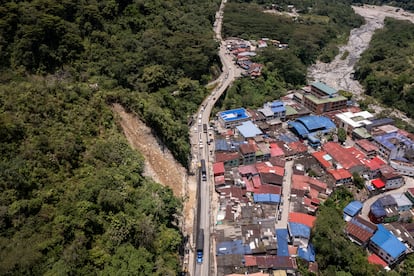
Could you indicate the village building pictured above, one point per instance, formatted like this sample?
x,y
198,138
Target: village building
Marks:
x,y
387,246
233,118
350,121
323,98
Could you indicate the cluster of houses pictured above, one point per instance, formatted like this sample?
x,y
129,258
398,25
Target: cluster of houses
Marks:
x,y
243,51
287,150
388,243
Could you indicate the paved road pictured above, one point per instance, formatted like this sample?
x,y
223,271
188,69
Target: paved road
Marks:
x,y
201,149
282,223
409,183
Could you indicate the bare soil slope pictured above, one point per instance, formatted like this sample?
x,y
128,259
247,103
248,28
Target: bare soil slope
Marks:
x,y
160,165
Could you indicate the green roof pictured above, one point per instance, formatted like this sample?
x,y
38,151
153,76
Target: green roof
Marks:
x,y
290,111
325,88
362,132
325,100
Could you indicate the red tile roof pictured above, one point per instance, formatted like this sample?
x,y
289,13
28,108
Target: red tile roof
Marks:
x,y
299,181
366,145
358,232
257,182
247,149
250,260
276,262
298,147
347,157
268,189
267,167
319,156
226,156
275,150
378,183
375,259
302,218
219,180
374,164
277,161
340,174
218,168
248,169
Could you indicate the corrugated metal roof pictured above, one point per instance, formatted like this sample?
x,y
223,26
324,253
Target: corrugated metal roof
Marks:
x,y
308,253
249,130
232,247
282,242
353,208
299,230
266,198
385,240
324,88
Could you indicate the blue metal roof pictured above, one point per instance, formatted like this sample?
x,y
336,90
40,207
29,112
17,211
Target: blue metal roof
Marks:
x,y
299,128
299,230
388,140
266,198
222,145
282,242
385,240
353,208
249,130
377,209
234,114
325,88
387,200
314,123
308,253
379,122
232,247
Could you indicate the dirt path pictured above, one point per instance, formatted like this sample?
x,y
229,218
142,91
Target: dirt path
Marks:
x,y
160,165
338,72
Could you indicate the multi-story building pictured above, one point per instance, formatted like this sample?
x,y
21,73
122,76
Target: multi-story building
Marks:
x,y
387,246
323,98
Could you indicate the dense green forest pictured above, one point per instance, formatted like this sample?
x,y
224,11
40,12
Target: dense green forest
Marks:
x,y
73,200
386,68
315,34
152,48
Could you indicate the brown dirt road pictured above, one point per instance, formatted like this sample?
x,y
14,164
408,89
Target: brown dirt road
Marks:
x,y
160,164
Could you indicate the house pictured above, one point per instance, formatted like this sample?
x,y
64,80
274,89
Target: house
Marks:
x,y
391,178
233,118
350,121
229,159
360,230
404,166
274,110
347,158
218,169
282,237
248,153
393,145
248,130
367,147
403,202
387,246
352,209
299,234
372,167
305,219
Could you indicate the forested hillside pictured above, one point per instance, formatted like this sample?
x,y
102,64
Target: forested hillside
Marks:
x,y
315,34
73,200
386,69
